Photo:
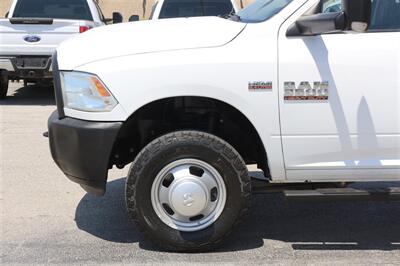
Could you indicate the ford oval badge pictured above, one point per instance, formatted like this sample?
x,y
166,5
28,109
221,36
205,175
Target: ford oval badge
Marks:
x,y
32,38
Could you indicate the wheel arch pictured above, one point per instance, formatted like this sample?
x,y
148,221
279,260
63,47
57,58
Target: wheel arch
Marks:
x,y
207,114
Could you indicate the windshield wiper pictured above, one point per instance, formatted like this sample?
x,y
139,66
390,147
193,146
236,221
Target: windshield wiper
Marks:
x,y
231,15
234,17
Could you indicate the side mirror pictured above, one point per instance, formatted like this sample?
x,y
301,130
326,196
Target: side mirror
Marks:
x,y
134,18
318,24
358,14
117,17
6,15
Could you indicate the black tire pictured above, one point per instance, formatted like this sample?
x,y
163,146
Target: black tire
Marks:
x,y
182,145
3,86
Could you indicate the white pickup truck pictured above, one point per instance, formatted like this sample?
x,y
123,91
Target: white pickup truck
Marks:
x,y
311,96
33,30
192,8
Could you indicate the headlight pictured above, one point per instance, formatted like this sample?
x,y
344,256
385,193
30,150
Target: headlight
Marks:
x,y
86,92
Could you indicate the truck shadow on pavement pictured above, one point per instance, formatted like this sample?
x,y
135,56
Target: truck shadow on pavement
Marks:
x,y
29,95
304,226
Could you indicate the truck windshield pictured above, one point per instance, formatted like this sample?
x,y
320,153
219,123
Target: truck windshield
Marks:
x,y
195,8
261,10
61,9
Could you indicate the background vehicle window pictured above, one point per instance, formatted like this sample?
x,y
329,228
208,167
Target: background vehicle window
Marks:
x,y
385,13
195,8
62,9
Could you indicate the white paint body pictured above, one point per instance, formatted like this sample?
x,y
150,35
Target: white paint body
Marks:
x,y
158,5
12,35
354,136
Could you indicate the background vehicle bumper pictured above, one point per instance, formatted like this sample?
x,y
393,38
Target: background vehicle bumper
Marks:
x,y
5,64
27,67
82,150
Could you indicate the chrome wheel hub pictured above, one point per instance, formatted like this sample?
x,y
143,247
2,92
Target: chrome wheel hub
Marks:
x,y
188,195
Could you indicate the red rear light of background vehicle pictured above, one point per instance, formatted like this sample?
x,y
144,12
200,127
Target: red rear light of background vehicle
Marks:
x,y
82,29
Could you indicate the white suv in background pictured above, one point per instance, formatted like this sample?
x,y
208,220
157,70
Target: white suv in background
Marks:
x,y
192,8
33,30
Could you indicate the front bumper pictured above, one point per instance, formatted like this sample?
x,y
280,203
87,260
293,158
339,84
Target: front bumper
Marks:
x,y
82,150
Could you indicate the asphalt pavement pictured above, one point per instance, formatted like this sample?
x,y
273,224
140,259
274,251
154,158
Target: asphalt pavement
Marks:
x,y
46,219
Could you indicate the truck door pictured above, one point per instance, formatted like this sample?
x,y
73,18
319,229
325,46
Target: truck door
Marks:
x,y
340,98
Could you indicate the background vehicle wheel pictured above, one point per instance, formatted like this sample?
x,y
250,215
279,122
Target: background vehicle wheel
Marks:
x,y
187,190
3,86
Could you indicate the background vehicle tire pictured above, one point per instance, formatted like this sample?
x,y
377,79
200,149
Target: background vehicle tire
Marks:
x,y
3,86
180,164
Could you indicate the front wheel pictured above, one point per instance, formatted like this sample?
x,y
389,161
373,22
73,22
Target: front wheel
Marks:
x,y
187,190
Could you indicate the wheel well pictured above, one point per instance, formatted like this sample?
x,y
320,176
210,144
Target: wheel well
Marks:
x,y
189,113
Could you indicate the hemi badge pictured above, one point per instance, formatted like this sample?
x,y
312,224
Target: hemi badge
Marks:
x,y
260,86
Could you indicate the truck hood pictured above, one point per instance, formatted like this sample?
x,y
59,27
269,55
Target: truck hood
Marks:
x,y
146,37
